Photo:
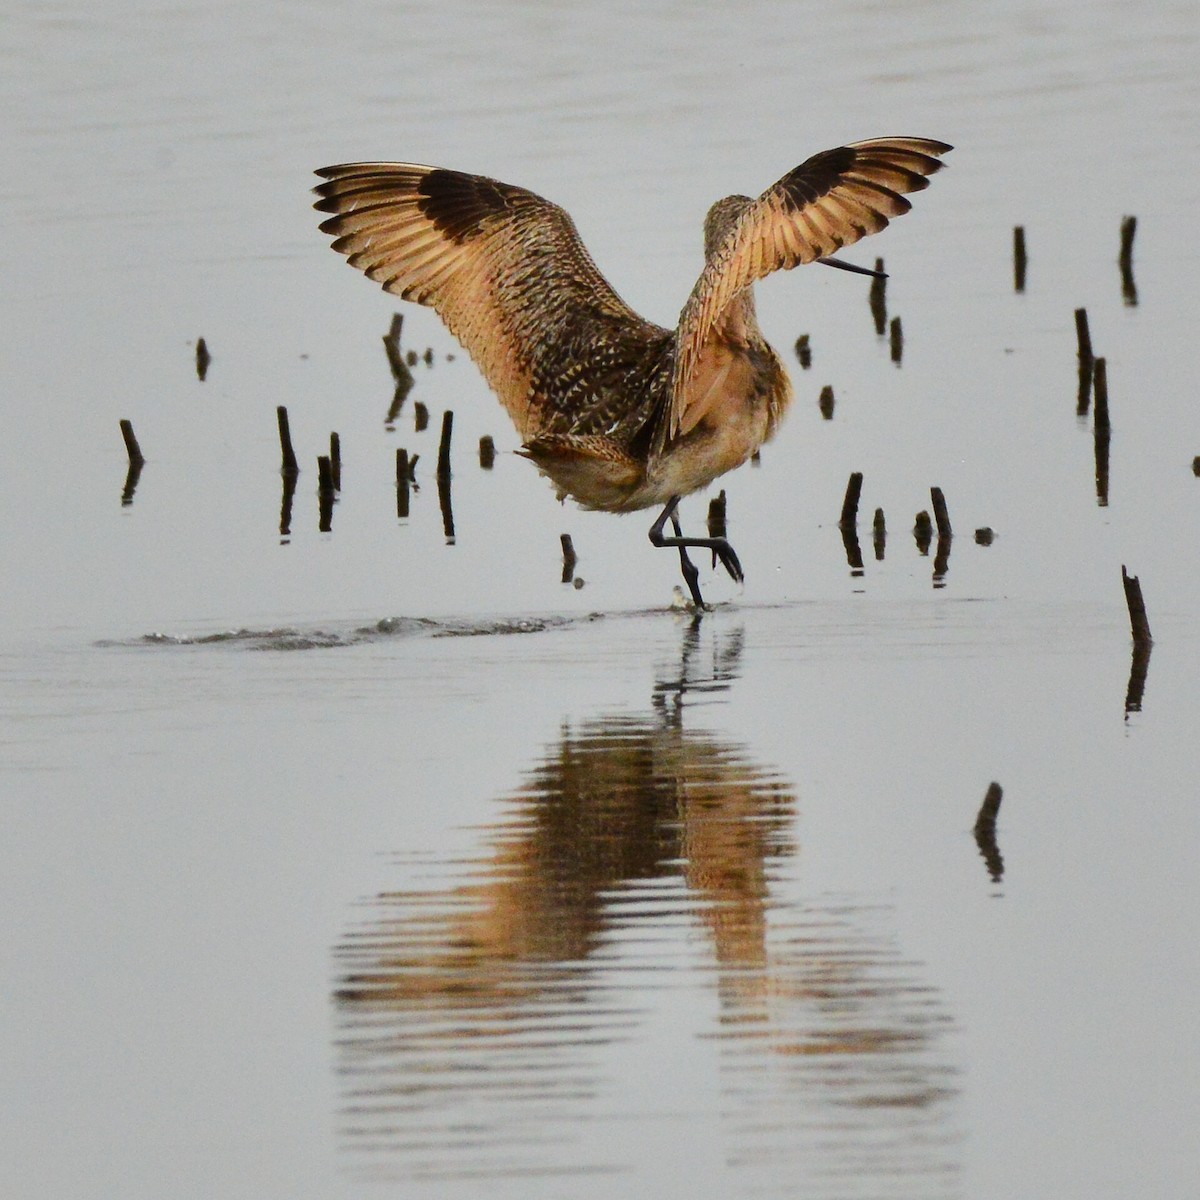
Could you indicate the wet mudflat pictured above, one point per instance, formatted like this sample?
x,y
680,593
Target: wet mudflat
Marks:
x,y
351,854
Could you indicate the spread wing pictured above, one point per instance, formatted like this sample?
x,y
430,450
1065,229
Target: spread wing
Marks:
x,y
503,268
832,200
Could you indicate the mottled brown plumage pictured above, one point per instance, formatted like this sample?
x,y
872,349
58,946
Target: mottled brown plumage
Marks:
x,y
621,414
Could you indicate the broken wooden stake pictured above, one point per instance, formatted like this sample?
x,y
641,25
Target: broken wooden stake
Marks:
x,y
1138,624
569,558
1020,260
290,468
1128,285
940,513
443,465
985,832
1083,337
878,299
849,517
131,443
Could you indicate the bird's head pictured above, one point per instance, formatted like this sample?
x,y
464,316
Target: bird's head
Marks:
x,y
721,219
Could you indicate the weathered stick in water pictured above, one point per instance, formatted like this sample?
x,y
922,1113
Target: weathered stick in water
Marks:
x,y
1083,340
896,339
203,358
1128,284
848,523
718,508
325,474
1101,430
1100,391
985,832
804,351
285,506
487,452
131,481
940,513
443,465
1138,624
854,558
290,466
825,403
1128,229
849,516
404,471
569,558
1139,668
879,534
941,559
420,417
945,537
1083,337
1020,260
717,525
878,299
395,356
443,487
335,461
136,462
325,493
398,397
989,809
923,531
131,443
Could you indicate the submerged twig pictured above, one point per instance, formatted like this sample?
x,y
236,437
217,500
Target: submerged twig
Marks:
x,y
985,832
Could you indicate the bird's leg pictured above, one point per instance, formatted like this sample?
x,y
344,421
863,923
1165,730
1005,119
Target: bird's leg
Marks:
x,y
718,545
691,573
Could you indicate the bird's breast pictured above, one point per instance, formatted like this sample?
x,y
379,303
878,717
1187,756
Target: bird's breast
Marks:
x,y
738,404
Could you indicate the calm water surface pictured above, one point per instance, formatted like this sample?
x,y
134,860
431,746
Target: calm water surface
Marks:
x,y
367,861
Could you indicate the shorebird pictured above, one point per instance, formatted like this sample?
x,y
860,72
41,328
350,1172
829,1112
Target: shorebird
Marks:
x,y
619,413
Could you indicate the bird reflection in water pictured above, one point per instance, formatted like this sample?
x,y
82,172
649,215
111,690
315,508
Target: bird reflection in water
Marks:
x,y
480,1023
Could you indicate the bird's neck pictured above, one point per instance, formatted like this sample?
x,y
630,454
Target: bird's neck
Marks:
x,y
739,321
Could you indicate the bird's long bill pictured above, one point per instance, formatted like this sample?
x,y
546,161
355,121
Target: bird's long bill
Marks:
x,y
853,267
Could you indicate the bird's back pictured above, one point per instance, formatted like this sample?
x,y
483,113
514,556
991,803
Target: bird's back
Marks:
x,y
619,412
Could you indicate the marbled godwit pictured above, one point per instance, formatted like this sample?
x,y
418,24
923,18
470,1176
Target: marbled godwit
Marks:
x,y
619,413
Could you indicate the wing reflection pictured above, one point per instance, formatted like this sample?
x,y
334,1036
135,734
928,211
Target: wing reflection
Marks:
x,y
482,1021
